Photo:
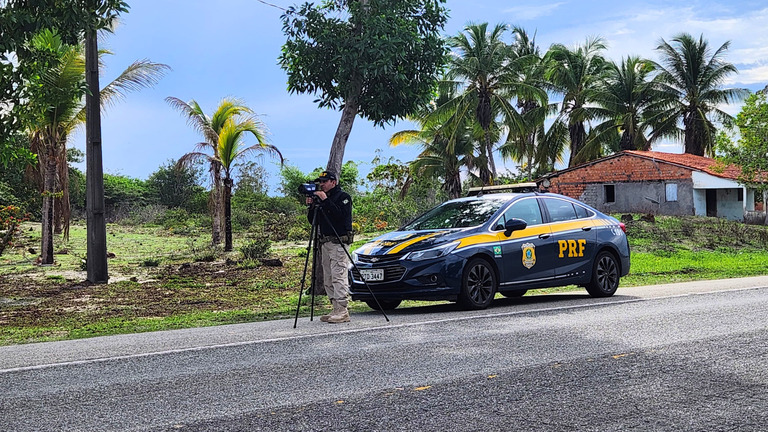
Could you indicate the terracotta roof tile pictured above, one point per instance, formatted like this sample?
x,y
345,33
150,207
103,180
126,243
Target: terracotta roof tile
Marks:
x,y
699,163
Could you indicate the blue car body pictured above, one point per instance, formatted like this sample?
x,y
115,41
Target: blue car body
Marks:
x,y
427,260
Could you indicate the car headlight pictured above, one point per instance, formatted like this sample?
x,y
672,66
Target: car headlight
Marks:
x,y
354,254
432,253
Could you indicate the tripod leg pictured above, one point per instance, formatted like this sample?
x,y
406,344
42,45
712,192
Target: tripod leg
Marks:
x,y
306,262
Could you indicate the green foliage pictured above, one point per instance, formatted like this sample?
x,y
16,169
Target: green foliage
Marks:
x,y
256,248
252,179
174,185
20,21
124,191
692,75
386,52
751,151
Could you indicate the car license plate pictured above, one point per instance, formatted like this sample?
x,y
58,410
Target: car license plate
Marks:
x,y
372,275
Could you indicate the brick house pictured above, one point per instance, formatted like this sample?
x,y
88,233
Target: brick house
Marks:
x,y
656,182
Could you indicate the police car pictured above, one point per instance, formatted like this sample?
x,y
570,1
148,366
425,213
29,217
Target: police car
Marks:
x,y
468,249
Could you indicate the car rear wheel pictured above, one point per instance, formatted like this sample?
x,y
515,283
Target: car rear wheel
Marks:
x,y
478,285
385,305
605,276
514,294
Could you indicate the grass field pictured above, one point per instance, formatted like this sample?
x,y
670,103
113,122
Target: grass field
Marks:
x,y
161,280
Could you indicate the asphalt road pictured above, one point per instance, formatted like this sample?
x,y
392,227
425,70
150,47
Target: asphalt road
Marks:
x,y
675,357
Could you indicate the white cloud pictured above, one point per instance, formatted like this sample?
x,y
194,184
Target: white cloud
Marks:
x,y
531,12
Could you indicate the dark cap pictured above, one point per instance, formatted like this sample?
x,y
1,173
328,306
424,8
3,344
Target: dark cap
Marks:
x,y
326,175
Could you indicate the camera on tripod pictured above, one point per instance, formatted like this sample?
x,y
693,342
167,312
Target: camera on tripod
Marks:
x,y
308,189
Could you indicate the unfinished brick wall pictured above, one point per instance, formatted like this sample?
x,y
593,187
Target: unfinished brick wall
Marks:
x,y
637,180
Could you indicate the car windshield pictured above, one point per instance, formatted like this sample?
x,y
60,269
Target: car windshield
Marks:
x,y
456,214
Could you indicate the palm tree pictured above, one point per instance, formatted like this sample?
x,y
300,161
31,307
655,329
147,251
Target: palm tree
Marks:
x,y
626,101
445,150
531,145
210,128
577,74
57,107
690,75
490,72
229,146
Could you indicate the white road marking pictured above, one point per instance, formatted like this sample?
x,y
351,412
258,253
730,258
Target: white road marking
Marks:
x,y
361,330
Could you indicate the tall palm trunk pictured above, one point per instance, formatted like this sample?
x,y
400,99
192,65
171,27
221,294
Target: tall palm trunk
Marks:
x,y
228,213
483,114
578,135
693,135
216,200
48,163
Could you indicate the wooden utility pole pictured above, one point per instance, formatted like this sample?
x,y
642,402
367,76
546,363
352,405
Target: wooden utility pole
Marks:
x,y
96,224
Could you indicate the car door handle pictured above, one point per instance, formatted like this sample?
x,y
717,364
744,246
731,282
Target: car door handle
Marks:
x,y
543,236
586,228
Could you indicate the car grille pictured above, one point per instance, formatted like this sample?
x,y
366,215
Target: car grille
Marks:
x,y
392,273
379,258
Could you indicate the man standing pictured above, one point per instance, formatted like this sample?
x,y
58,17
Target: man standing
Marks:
x,y
335,225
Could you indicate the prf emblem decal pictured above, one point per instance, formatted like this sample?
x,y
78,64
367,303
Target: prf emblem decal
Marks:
x,y
497,251
529,255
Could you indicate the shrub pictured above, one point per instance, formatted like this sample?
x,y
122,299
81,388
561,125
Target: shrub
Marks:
x,y
256,248
11,218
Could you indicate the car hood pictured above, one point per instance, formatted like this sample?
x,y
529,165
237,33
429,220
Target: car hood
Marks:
x,y
399,242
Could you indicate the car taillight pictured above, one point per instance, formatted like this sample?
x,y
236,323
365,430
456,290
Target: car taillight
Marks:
x,y
623,227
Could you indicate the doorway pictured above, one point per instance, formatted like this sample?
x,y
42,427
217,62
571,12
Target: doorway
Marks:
x,y
712,202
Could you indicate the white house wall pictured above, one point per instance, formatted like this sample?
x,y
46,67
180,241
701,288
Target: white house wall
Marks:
x,y
728,204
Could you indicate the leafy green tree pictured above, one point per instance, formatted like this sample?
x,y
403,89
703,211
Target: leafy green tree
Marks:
x,y
174,185
375,58
691,76
751,150
577,74
252,179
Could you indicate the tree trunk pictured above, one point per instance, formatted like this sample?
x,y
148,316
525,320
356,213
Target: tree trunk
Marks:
x,y
578,137
348,114
217,210
765,205
94,174
693,140
227,214
491,162
49,198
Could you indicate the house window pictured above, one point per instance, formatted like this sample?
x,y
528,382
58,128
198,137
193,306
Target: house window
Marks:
x,y
741,195
610,193
671,192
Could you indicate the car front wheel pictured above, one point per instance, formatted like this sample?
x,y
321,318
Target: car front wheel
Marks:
x,y
478,285
385,305
605,276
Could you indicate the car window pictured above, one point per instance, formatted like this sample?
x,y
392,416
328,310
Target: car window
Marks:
x,y
457,214
525,209
560,210
582,212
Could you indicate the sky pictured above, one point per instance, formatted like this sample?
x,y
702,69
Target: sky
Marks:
x,y
229,48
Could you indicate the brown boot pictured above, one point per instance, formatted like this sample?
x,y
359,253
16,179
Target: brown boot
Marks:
x,y
341,316
340,313
325,317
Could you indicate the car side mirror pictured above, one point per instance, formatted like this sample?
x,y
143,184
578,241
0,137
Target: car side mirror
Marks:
x,y
514,224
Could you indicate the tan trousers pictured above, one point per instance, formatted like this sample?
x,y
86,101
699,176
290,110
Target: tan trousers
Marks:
x,y
335,278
